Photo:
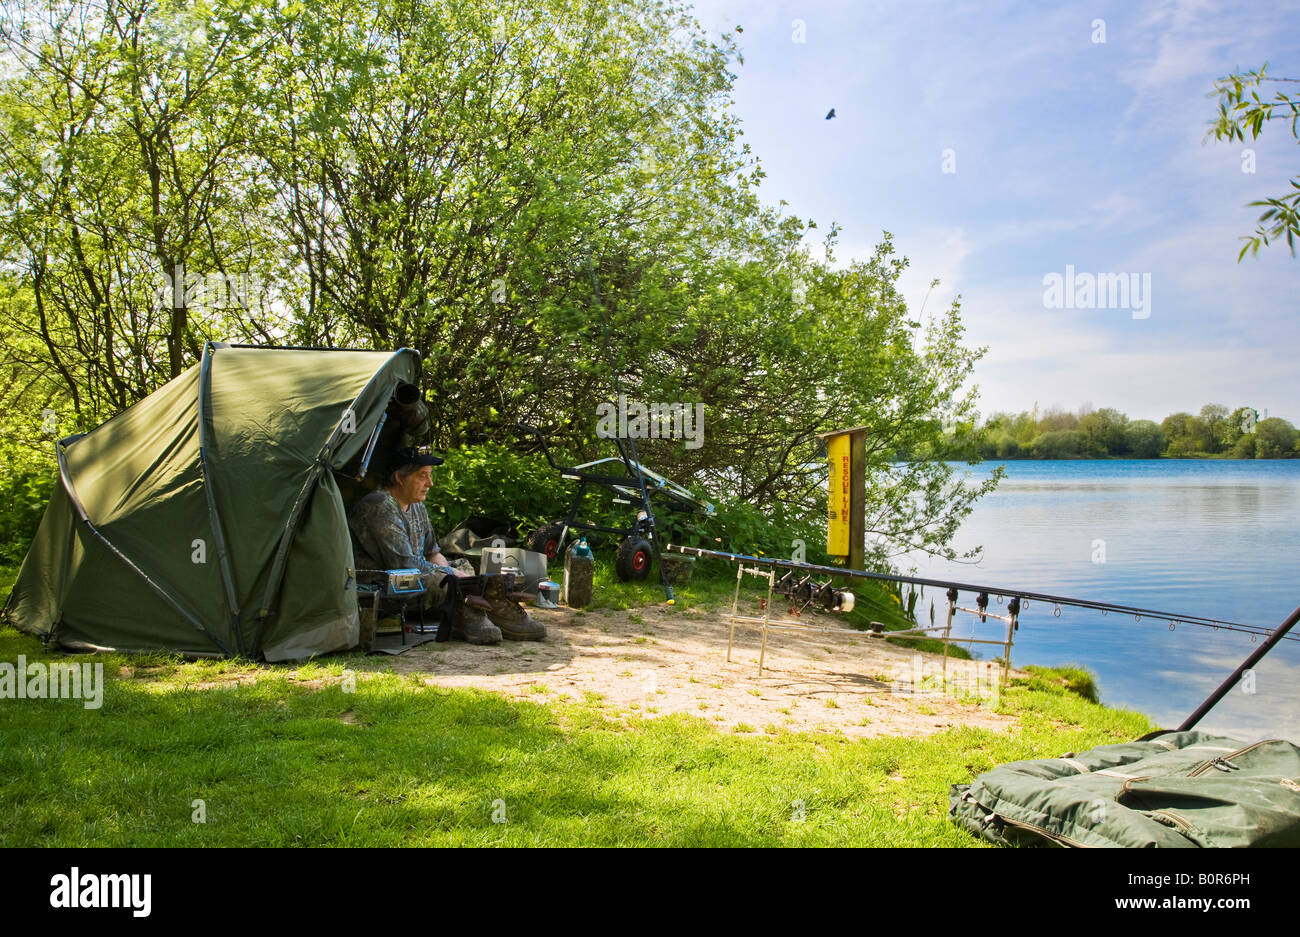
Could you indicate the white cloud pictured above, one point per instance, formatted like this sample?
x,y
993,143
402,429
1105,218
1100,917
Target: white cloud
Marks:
x,y
1147,368
1192,48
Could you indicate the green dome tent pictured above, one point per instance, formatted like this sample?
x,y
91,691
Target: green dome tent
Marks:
x,y
206,519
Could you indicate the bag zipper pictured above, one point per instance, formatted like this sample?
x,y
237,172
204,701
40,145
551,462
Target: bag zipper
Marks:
x,y
1177,820
1048,834
1227,759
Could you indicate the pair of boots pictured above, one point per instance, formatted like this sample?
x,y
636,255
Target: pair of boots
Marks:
x,y
491,611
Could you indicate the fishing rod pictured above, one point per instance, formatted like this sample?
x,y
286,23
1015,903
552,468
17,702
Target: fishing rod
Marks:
x,y
984,591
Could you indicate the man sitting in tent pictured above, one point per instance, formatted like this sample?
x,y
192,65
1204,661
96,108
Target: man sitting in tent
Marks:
x,y
391,530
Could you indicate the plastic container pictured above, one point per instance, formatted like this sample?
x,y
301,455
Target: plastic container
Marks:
x,y
547,593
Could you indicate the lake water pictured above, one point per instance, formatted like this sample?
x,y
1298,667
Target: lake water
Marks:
x,y
1215,538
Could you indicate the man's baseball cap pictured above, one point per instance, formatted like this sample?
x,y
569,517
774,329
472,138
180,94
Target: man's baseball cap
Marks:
x,y
410,455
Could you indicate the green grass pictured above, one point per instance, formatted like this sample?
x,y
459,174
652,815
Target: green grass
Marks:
x,y
1071,677
281,755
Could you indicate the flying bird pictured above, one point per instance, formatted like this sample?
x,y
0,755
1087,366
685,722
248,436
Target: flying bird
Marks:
x,y
831,114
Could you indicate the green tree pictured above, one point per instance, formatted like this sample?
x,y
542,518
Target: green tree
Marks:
x,y
451,172
1242,109
1061,444
1218,429
1025,428
127,208
1146,440
1275,438
1104,431
1055,420
1239,423
1000,439
1185,435
462,178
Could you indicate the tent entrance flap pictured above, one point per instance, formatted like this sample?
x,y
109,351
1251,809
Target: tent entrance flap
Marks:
x,y
354,420
317,608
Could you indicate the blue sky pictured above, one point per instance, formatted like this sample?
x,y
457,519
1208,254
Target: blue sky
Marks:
x,y
1067,151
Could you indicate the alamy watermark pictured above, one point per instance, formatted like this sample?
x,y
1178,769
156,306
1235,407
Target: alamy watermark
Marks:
x,y
79,889
1098,291
634,419
52,681
1098,551
185,289
962,680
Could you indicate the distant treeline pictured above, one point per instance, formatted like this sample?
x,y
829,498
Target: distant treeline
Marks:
x,y
1216,432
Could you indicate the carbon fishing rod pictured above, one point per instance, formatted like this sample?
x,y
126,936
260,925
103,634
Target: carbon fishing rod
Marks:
x,y
1054,600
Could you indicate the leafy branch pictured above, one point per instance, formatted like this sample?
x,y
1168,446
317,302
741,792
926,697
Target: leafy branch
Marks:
x,y
1241,108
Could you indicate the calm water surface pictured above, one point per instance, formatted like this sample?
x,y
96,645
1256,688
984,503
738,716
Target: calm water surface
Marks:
x,y
1218,538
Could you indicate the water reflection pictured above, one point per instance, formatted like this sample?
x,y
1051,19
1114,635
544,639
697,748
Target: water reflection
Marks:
x,y
1218,538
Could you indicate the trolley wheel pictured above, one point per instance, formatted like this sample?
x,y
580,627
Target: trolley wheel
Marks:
x,y
546,540
633,559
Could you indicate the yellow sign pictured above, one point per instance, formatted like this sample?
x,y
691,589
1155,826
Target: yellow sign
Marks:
x,y
837,520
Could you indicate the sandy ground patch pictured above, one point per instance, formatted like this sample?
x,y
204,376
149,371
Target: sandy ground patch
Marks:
x,y
666,659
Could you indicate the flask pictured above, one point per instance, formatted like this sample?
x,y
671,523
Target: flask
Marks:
x,y
579,571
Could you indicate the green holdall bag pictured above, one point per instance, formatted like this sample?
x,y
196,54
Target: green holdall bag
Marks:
x,y
1168,789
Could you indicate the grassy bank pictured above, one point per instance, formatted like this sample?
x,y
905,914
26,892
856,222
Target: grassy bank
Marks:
x,y
343,751
319,755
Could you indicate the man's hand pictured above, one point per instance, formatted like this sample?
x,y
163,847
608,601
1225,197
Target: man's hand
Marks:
x,y
437,559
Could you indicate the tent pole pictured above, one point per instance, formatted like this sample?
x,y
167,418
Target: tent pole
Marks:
x,y
214,518
158,590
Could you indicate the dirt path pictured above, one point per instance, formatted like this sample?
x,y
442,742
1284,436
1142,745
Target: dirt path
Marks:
x,y
664,659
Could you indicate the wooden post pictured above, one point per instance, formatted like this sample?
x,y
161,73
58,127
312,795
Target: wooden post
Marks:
x,y
858,500
854,551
